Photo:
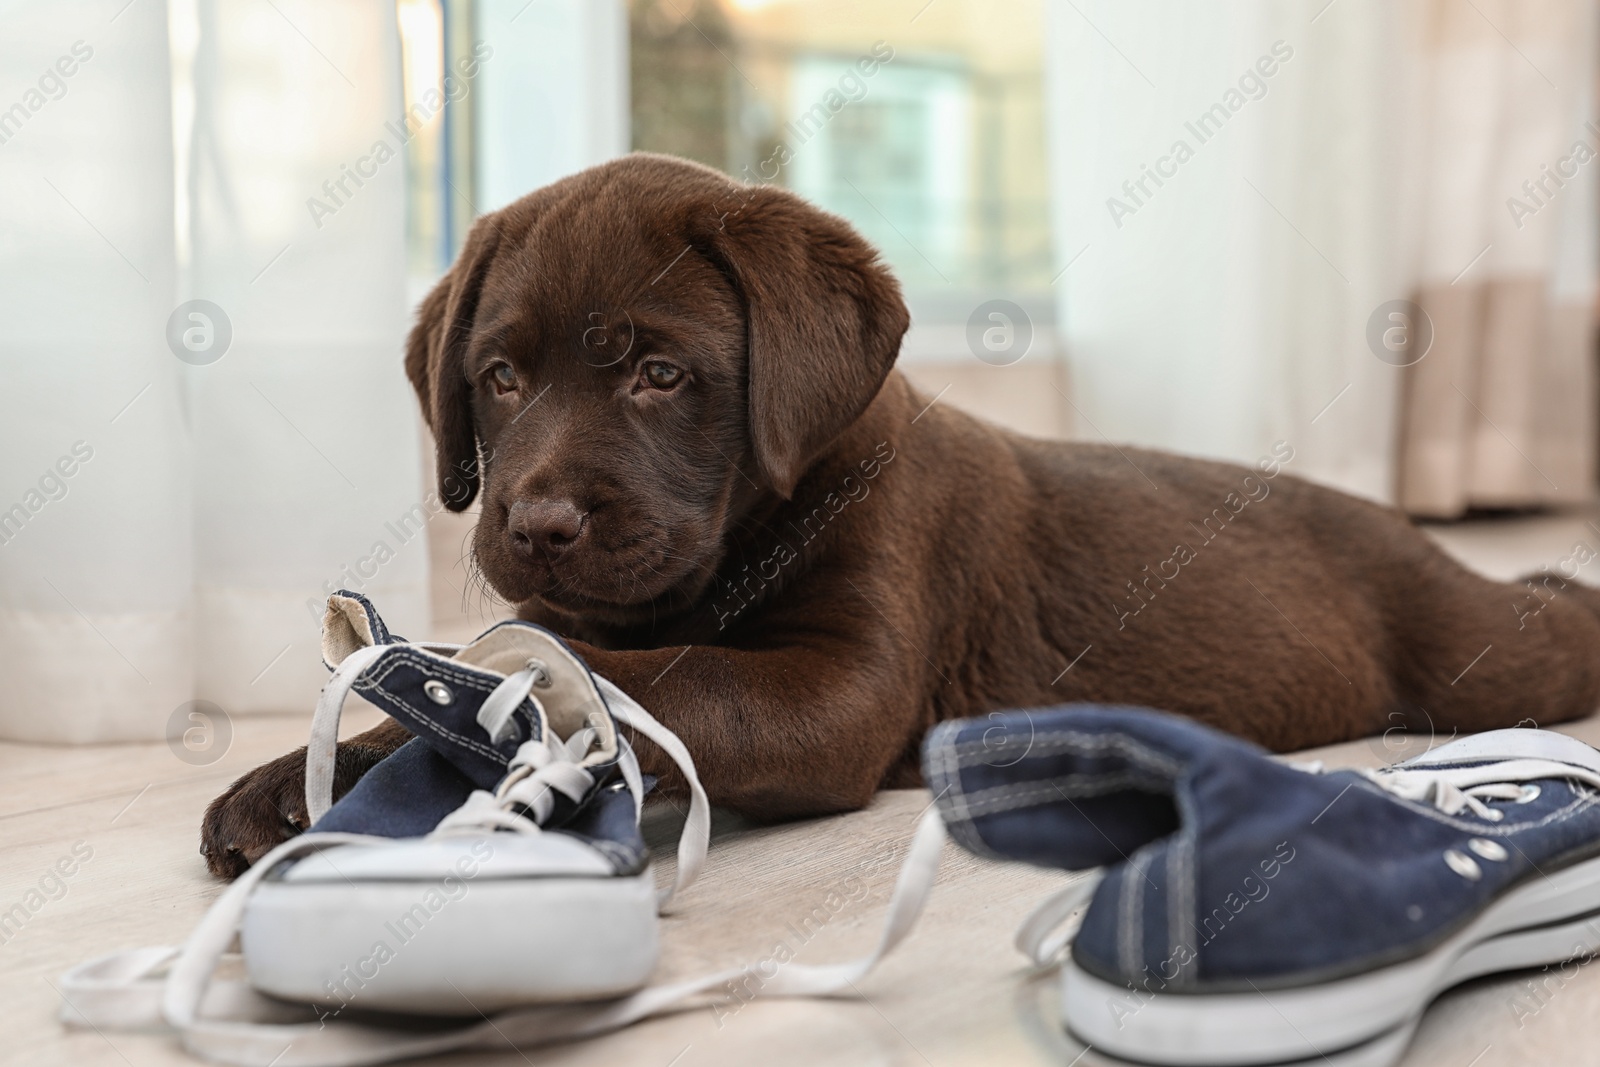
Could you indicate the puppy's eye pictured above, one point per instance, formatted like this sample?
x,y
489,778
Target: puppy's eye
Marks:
x,y
659,375
505,379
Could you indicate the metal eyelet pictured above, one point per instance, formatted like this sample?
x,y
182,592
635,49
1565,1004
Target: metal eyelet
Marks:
x,y
1489,850
1463,864
617,787
541,673
437,691
1530,793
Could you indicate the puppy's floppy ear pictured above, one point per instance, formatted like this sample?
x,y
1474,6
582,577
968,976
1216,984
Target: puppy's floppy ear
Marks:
x,y
436,364
824,321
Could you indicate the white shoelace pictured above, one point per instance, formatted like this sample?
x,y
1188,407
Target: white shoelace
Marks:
x,y
552,763
1047,932
226,1021
539,770
495,713
1447,797
1452,790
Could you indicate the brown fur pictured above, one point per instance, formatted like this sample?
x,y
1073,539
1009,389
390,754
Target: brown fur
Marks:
x,y
798,564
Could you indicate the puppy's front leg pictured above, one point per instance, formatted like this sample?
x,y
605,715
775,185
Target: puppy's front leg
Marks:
x,y
775,733
268,805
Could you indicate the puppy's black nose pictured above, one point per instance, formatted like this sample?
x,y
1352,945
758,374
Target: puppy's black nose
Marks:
x,y
547,526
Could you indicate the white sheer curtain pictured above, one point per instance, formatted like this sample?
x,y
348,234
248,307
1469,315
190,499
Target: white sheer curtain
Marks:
x,y
307,464
1245,192
209,501
1226,307
1501,412
95,572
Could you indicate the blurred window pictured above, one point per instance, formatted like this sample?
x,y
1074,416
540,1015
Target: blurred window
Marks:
x,y
922,123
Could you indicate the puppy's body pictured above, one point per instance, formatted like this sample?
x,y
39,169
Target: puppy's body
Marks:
x,y
978,565
778,547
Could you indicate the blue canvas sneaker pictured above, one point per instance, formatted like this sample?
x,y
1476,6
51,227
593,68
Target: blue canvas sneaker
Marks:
x,y
493,864
519,795
1245,910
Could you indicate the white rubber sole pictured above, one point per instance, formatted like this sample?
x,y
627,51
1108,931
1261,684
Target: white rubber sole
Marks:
x,y
457,949
1362,1021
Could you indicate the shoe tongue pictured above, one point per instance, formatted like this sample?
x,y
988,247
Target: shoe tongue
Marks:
x,y
565,697
349,623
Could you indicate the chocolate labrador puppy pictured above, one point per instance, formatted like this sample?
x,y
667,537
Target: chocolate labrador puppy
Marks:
x,y
676,396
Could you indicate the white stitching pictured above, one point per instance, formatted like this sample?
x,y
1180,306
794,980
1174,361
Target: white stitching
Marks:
x,y
958,819
972,753
1175,910
1130,946
373,682
1480,829
442,731
1187,890
1069,786
953,801
438,664
1071,740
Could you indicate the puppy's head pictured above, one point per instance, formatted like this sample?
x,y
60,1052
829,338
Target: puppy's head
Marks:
x,y
627,361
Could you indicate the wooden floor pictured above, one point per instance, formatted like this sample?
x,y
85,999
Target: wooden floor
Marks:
x,y
956,993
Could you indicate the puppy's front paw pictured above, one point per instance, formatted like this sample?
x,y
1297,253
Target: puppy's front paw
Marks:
x,y
259,811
